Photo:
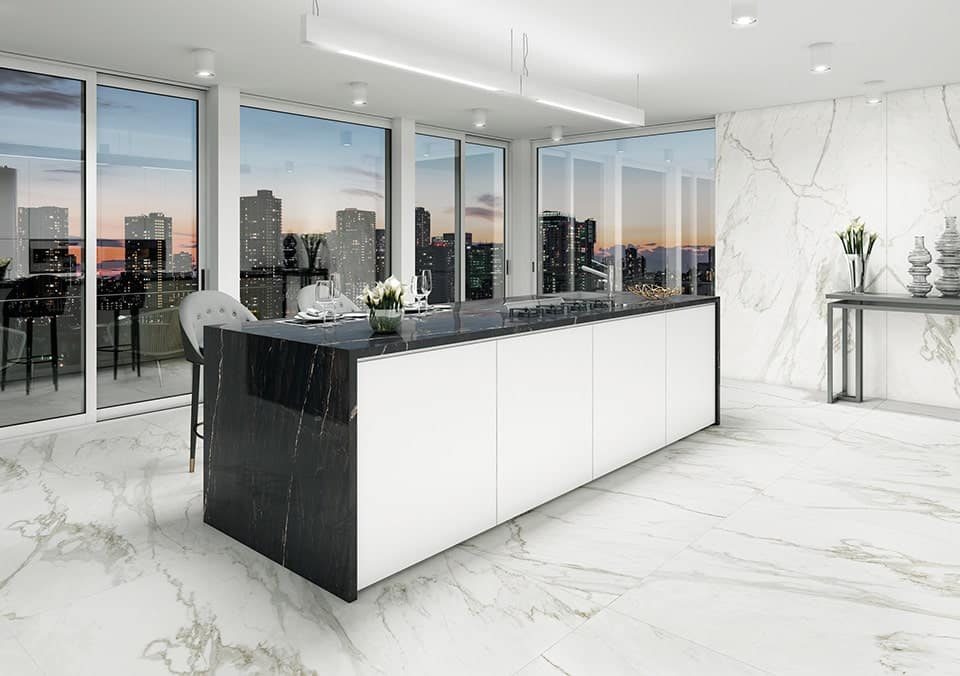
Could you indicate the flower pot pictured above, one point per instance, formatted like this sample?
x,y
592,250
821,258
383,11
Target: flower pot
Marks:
x,y
385,321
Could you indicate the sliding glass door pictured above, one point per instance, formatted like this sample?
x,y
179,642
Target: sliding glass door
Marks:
x,y
313,202
484,189
643,205
42,163
147,236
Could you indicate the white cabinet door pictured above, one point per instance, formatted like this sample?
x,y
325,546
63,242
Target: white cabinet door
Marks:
x,y
629,381
691,370
426,455
545,411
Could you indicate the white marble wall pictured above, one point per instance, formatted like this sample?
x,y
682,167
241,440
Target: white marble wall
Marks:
x,y
788,178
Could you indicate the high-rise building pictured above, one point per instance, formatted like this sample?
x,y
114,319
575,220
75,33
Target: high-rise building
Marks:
x,y
182,263
381,253
584,239
12,244
555,236
47,230
356,253
148,243
261,219
480,270
422,239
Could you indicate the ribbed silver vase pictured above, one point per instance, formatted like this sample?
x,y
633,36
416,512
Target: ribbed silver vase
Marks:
x,y
948,246
919,260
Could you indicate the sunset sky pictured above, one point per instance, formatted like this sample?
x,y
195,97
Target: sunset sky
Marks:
x,y
643,184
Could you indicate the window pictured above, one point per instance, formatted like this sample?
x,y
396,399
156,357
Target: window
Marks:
x,y
313,202
484,190
643,205
437,217
146,242
41,246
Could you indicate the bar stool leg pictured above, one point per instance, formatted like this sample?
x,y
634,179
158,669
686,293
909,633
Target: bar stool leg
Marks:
x,y
194,409
116,340
3,354
135,337
29,353
54,354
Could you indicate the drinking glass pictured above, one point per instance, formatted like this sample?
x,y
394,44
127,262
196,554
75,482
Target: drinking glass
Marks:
x,y
426,286
324,301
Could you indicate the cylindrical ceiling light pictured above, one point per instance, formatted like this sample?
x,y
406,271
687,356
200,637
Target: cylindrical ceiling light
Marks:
x,y
479,117
873,93
346,138
204,63
668,155
358,91
556,133
621,146
820,57
744,12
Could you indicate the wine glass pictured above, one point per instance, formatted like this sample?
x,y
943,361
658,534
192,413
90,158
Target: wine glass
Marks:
x,y
414,287
324,300
336,290
426,286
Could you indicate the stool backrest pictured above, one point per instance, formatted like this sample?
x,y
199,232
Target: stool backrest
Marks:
x,y
203,308
37,296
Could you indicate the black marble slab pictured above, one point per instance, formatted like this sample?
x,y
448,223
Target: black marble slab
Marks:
x,y
280,424
476,320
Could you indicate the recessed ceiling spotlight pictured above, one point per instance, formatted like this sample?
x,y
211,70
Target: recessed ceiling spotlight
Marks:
x,y
874,92
346,138
479,117
358,91
744,12
204,63
820,61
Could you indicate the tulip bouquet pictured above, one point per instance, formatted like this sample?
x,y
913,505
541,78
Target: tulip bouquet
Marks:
x,y
386,301
386,295
857,246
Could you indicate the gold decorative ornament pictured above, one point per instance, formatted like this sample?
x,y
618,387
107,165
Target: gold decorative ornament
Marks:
x,y
653,291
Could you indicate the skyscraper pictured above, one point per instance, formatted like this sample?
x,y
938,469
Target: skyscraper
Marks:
x,y
422,238
356,259
555,244
47,230
584,239
149,243
12,242
381,253
261,219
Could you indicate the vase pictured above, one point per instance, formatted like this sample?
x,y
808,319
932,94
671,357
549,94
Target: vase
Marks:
x,y
948,246
855,267
385,321
919,260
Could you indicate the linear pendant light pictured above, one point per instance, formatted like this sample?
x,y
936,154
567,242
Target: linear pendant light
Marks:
x,y
339,37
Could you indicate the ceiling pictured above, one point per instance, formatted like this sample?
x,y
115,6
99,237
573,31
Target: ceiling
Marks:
x,y
692,63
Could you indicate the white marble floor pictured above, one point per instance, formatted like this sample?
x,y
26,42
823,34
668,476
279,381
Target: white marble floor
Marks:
x,y
797,538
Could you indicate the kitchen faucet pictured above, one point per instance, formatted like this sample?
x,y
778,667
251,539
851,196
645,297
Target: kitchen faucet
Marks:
x,y
606,275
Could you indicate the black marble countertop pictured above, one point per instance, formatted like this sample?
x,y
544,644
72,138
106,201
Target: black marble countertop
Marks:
x,y
475,320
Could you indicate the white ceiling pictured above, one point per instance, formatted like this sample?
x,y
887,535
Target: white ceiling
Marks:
x,y
692,63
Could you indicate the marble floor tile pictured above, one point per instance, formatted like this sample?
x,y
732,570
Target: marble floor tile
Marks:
x,y
796,537
614,644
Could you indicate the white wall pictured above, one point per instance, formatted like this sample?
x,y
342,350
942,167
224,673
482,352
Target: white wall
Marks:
x,y
787,179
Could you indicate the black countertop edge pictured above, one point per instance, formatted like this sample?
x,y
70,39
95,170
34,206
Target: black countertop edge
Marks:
x,y
476,320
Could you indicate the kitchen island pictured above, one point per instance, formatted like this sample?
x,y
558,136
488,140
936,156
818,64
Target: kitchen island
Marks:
x,y
347,457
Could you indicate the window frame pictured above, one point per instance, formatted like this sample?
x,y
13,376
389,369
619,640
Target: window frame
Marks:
x,y
183,92
464,138
505,146
537,144
267,104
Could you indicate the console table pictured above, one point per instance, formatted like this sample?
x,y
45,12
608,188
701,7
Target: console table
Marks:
x,y
848,302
